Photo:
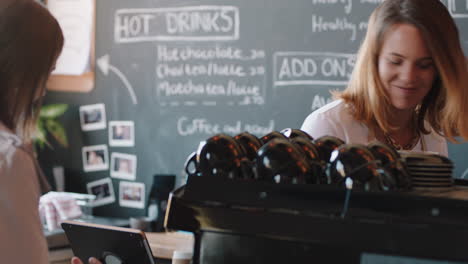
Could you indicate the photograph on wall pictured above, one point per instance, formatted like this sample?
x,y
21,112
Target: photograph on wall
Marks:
x,y
123,166
95,158
121,134
104,191
92,117
132,194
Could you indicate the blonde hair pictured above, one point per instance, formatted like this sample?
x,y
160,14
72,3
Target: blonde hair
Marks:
x,y
30,41
445,107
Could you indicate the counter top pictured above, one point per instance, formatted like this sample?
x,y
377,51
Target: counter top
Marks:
x,y
164,244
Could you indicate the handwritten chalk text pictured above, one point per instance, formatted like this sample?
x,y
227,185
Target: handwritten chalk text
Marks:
x,y
191,23
312,68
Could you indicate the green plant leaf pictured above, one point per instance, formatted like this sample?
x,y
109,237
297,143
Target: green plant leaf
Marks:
x,y
52,110
47,126
57,131
40,137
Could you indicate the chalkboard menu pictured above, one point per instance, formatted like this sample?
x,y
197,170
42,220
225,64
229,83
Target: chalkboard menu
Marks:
x,y
183,71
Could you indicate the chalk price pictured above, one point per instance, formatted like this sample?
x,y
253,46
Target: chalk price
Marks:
x,y
256,70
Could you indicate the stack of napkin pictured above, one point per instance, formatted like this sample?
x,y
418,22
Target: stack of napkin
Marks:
x,y
55,207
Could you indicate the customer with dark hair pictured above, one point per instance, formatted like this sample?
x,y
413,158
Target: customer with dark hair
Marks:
x,y
30,41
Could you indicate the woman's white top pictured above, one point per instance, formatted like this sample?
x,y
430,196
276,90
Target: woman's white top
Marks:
x,y
21,234
335,119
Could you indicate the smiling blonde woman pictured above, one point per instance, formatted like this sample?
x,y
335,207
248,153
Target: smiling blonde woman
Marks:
x,y
409,87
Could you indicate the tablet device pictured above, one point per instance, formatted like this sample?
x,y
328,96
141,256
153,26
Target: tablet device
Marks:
x,y
109,244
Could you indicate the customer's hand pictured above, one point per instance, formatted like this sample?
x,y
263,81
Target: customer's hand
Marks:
x,y
76,260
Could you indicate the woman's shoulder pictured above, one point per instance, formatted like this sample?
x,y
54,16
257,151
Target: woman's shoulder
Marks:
x,y
334,119
337,110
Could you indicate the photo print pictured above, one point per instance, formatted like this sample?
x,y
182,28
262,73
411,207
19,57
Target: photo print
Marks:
x,y
121,134
92,117
132,194
104,191
123,166
95,158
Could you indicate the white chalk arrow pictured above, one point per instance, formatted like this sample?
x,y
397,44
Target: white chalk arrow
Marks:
x,y
104,66
465,175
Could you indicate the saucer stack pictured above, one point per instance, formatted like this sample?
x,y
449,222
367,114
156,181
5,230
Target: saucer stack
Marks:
x,y
429,172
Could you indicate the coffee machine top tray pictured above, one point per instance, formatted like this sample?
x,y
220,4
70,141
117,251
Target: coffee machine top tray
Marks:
x,y
424,224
